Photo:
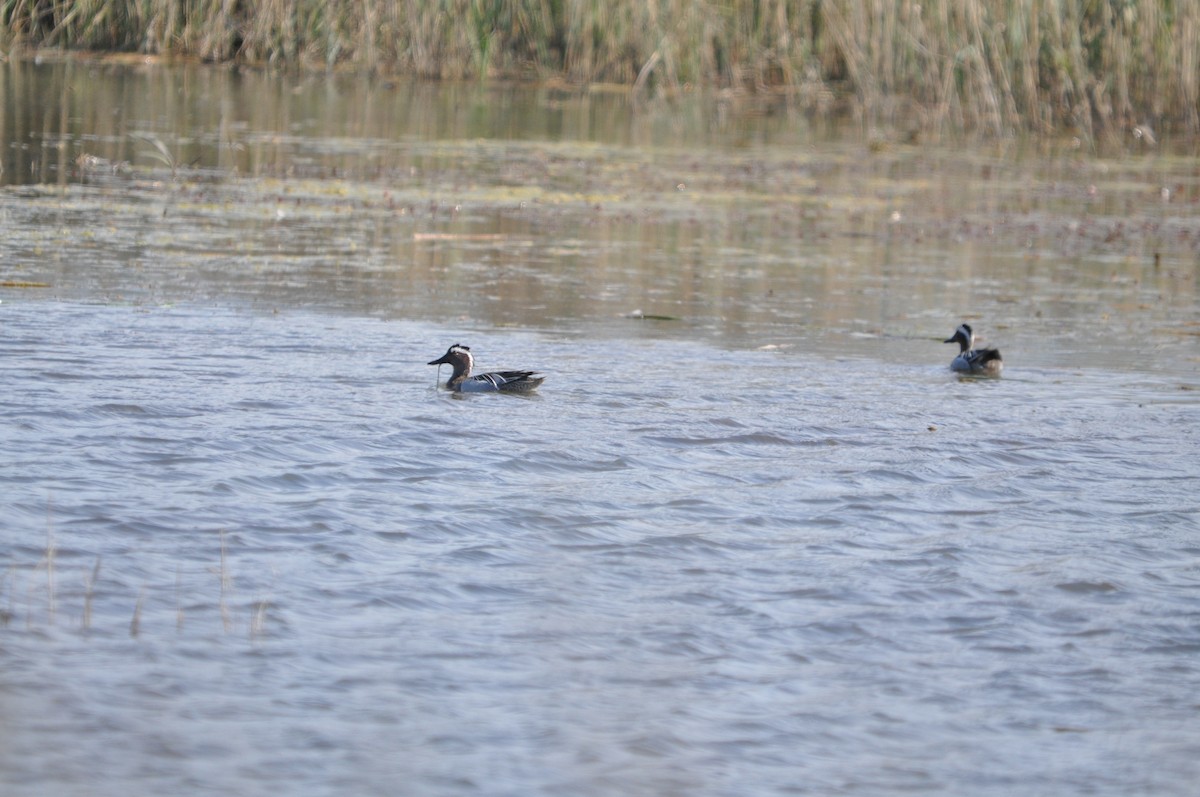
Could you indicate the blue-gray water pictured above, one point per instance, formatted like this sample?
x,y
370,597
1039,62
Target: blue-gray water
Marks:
x,y
256,553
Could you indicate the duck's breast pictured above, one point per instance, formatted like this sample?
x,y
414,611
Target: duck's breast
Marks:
x,y
960,363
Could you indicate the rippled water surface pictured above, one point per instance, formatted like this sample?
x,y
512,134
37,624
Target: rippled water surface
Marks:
x,y
250,551
752,537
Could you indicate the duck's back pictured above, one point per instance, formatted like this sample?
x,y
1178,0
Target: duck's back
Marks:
x,y
502,382
979,361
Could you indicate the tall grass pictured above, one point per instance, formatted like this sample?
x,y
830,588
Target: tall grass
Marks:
x,y
983,64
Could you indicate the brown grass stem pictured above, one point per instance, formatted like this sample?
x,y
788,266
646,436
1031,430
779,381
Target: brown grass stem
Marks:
x,y
51,550
226,615
990,65
89,587
135,624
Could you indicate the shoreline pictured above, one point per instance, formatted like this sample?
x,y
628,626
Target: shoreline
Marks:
x,y
978,65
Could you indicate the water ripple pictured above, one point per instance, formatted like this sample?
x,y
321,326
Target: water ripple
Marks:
x,y
213,519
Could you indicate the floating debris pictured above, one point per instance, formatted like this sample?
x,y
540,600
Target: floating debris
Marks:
x,y
639,315
450,236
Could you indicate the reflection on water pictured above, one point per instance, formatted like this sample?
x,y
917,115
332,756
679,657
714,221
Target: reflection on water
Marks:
x,y
752,537
473,203
269,125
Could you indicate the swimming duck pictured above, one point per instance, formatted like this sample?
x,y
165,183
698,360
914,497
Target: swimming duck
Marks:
x,y
459,357
985,362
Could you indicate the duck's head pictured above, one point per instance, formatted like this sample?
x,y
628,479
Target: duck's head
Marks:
x,y
963,336
458,356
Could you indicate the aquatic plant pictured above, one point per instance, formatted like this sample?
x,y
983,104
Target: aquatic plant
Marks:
x,y
35,593
992,65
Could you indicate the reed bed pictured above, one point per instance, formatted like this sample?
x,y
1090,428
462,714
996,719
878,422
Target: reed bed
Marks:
x,y
993,65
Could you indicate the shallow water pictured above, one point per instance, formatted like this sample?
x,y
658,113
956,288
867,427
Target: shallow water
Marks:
x,y
751,537
649,580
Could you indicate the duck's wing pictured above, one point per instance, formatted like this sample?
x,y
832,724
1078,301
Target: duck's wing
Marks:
x,y
982,357
503,380
523,384
980,361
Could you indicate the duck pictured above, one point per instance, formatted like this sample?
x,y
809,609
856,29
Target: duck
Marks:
x,y
460,359
982,362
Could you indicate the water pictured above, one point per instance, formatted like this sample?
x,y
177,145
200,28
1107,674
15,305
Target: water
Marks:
x,y
765,544
694,579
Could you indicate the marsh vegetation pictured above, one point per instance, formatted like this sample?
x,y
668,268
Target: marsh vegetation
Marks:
x,y
987,65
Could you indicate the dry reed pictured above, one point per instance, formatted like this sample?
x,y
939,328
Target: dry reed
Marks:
x,y
992,65
48,597
89,589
